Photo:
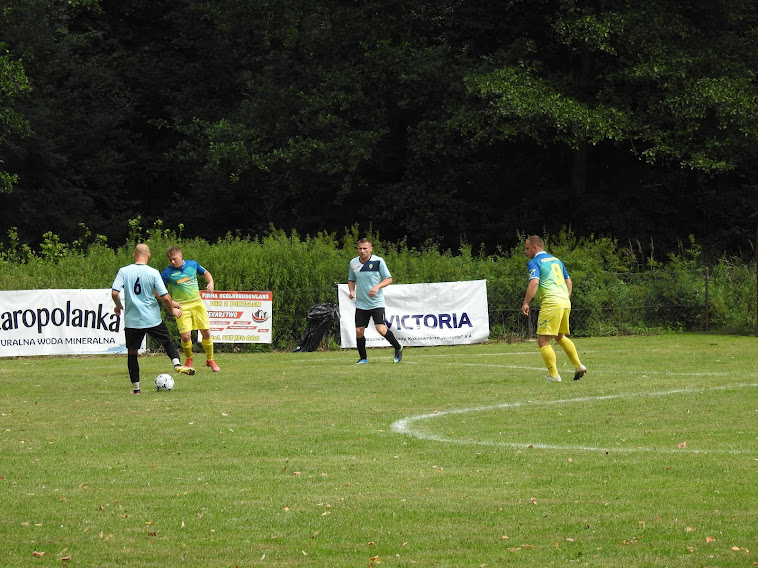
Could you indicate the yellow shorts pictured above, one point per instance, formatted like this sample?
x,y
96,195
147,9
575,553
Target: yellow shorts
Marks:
x,y
552,321
194,316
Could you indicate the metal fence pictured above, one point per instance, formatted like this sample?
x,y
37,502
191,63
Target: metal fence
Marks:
x,y
699,300
621,320
721,299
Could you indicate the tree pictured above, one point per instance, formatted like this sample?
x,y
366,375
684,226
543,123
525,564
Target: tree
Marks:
x,y
13,83
425,120
671,85
331,93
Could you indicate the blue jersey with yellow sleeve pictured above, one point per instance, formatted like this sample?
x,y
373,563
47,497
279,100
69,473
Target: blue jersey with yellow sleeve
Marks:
x,y
182,282
552,274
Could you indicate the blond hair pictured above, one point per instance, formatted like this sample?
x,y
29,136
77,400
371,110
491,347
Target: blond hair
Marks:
x,y
172,250
536,240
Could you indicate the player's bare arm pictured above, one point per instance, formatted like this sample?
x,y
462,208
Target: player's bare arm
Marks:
x,y
171,306
174,304
382,284
209,277
117,300
531,290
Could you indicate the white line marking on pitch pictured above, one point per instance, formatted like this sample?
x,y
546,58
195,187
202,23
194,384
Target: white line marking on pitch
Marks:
x,y
405,425
595,370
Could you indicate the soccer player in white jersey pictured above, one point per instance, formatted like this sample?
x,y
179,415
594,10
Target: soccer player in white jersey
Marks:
x,y
367,276
143,286
550,283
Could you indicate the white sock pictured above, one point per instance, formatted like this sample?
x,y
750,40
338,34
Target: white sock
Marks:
x,y
136,385
176,362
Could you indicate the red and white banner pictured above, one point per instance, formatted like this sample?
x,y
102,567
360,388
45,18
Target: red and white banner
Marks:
x,y
239,317
442,313
59,322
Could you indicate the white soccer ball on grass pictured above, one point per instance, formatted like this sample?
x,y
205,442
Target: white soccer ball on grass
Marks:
x,y
164,382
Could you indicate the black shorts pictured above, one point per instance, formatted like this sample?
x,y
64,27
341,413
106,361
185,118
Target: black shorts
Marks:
x,y
134,335
362,317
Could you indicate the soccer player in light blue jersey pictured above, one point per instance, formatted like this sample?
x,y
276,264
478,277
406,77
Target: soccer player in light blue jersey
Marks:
x,y
549,282
142,286
367,276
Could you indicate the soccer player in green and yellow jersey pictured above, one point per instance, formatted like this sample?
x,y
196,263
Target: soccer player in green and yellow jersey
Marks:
x,y
549,282
181,280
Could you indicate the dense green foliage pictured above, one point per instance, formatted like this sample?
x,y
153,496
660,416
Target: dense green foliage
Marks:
x,y
13,83
616,290
424,119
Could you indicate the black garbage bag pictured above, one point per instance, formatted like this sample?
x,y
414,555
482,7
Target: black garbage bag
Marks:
x,y
320,318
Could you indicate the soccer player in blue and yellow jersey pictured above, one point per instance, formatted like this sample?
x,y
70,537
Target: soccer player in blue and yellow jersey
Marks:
x,y
367,276
549,282
142,287
181,280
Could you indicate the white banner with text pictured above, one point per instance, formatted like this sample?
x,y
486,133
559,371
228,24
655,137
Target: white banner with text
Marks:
x,y
59,322
82,322
441,313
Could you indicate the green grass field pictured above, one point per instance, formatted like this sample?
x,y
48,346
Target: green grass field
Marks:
x,y
456,457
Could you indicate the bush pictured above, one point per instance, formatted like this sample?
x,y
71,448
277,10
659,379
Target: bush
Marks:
x,y
615,291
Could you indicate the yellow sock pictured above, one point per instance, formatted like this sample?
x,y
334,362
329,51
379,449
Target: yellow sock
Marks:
x,y
548,356
187,348
570,350
208,348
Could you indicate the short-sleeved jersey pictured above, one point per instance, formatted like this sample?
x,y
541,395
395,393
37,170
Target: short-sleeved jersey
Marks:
x,y
139,283
552,291
366,275
182,282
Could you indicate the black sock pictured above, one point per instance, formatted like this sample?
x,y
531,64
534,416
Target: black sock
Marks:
x,y
171,350
389,336
361,342
133,366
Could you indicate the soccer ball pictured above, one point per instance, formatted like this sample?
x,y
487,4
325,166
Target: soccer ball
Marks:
x,y
164,382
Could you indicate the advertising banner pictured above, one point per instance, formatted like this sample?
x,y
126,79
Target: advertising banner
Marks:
x,y
59,322
239,317
443,313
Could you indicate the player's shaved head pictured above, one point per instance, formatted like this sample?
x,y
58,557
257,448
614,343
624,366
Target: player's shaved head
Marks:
x,y
141,251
